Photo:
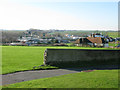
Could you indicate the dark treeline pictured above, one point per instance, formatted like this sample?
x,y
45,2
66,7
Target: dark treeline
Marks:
x,y
10,36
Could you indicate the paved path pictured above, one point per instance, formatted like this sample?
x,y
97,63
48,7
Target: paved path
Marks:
x,y
30,75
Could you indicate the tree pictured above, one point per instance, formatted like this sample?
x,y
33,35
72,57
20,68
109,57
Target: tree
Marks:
x,y
56,41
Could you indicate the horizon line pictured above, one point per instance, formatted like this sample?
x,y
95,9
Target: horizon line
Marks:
x,y
54,29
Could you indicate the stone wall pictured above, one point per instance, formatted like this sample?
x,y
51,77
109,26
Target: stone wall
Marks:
x,y
80,56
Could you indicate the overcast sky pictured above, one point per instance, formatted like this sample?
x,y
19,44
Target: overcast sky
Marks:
x,y
25,14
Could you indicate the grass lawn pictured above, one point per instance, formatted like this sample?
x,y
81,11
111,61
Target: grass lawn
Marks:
x,y
113,44
113,34
94,79
19,58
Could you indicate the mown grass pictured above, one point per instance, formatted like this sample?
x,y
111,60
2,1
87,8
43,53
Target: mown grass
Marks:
x,y
94,79
113,44
20,58
113,34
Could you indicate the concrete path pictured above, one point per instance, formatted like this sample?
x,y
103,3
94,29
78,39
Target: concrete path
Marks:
x,y
30,75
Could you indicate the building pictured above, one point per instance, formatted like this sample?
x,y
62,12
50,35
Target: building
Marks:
x,y
95,40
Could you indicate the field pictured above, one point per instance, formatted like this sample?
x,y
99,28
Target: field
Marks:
x,y
18,58
12,58
33,56
113,34
94,79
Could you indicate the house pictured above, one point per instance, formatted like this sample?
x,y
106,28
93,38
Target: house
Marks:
x,y
96,41
65,41
18,43
96,35
111,39
118,38
92,40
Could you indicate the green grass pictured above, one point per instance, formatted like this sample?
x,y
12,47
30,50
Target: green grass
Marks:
x,y
20,58
113,34
94,79
113,44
